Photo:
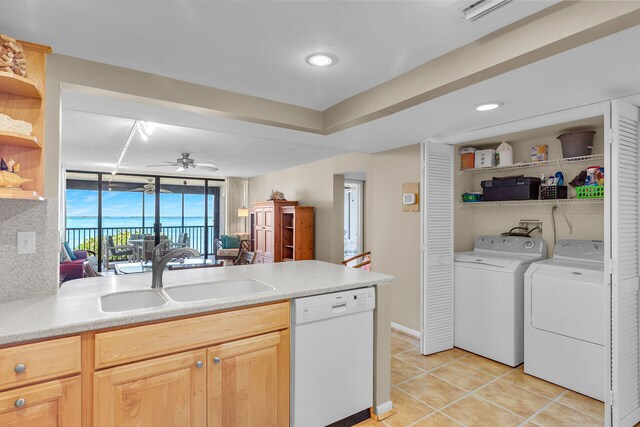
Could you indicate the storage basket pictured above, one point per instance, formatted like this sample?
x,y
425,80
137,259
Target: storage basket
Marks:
x,y
553,192
590,192
472,197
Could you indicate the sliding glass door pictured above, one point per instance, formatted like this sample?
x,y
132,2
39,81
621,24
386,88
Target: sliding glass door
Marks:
x,y
122,217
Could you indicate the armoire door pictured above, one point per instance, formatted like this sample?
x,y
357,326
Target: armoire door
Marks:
x,y
622,222
167,391
437,248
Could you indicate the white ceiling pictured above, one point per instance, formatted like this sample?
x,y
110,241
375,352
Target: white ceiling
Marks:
x,y
258,47
95,141
590,74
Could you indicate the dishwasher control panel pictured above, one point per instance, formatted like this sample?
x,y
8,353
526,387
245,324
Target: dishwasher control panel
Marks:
x,y
310,309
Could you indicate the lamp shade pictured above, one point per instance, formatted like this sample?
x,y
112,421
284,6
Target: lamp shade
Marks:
x,y
243,212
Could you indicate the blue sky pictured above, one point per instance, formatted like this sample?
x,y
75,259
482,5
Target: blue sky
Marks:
x,y
114,203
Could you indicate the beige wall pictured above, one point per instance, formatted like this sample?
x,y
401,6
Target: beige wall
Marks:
x,y
394,236
314,184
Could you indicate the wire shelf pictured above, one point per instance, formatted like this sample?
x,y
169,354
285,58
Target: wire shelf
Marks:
x,y
556,162
533,202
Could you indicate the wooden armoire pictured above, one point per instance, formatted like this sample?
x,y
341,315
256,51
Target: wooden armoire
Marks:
x,y
282,231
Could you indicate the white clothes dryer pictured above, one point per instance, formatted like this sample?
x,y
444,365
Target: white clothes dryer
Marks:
x,y
565,317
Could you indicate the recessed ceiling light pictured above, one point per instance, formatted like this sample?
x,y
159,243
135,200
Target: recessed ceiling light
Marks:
x,y
320,60
487,106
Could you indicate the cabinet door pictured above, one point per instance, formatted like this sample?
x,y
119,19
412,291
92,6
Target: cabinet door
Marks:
x,y
51,404
164,392
260,217
249,382
260,240
268,242
268,217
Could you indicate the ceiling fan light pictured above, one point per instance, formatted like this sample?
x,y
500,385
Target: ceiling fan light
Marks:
x,y
149,128
142,134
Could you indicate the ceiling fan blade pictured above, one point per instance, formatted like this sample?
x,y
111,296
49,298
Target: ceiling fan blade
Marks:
x,y
162,190
180,169
162,166
137,189
209,168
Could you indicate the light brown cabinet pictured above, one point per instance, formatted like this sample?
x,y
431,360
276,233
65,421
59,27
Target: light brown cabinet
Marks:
x,y
168,391
223,369
274,240
226,369
248,382
51,404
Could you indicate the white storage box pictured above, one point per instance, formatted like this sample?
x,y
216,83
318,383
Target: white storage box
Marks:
x,y
485,158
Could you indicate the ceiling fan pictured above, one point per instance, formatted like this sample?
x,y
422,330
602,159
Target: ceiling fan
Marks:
x,y
150,188
185,162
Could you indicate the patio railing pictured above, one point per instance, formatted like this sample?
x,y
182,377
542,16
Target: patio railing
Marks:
x,y
88,238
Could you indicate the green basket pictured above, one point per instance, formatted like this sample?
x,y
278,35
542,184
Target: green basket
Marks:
x,y
590,192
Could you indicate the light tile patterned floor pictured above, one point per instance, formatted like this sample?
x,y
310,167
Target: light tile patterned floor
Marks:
x,y
457,388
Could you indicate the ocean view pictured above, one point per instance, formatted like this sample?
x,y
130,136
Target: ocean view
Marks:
x,y
132,221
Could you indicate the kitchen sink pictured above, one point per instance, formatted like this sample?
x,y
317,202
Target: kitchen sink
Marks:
x,y
134,300
215,290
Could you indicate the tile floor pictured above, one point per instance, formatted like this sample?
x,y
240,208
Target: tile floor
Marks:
x,y
455,388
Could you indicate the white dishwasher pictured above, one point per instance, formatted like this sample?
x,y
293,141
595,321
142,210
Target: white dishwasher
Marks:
x,y
331,357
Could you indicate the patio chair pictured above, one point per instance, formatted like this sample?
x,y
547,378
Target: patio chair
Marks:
x,y
245,258
110,249
181,242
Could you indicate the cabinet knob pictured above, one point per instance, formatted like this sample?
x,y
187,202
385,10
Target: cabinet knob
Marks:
x,y
19,403
20,368
216,360
199,364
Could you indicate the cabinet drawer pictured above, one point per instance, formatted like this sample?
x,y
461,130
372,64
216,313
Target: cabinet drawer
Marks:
x,y
28,363
146,341
54,403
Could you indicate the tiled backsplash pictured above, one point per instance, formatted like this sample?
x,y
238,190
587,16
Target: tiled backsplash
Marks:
x,y
29,275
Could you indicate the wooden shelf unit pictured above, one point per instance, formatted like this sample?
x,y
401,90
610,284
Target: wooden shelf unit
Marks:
x,y
18,140
24,99
12,84
297,233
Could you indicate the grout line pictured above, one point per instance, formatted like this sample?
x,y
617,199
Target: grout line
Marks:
x,y
545,407
434,413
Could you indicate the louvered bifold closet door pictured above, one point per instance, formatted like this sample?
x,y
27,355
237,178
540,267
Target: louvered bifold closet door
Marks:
x,y
624,401
438,248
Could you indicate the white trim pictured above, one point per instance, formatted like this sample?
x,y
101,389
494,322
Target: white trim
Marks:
x,y
407,331
383,408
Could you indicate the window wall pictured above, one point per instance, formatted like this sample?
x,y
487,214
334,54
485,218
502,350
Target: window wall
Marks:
x,y
129,208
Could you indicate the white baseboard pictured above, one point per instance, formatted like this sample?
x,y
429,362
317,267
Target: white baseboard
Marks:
x,y
383,408
405,330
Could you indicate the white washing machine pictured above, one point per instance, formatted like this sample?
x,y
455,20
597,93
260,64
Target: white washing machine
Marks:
x,y
565,317
489,296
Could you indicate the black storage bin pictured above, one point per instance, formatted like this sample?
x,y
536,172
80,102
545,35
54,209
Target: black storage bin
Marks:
x,y
511,188
552,192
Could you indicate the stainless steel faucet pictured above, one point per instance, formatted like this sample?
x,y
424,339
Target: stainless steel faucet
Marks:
x,y
159,262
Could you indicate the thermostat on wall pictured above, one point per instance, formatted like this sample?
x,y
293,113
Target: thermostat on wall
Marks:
x,y
409,199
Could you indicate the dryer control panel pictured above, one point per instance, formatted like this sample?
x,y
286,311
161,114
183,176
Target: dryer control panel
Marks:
x,y
592,250
512,244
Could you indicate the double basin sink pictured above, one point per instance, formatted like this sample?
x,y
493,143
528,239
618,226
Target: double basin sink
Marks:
x,y
149,298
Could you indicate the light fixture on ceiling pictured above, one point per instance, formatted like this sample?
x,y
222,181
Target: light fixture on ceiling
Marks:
x,y
480,8
145,129
488,106
320,60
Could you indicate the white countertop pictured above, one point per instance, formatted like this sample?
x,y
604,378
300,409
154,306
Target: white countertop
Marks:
x,y
76,308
